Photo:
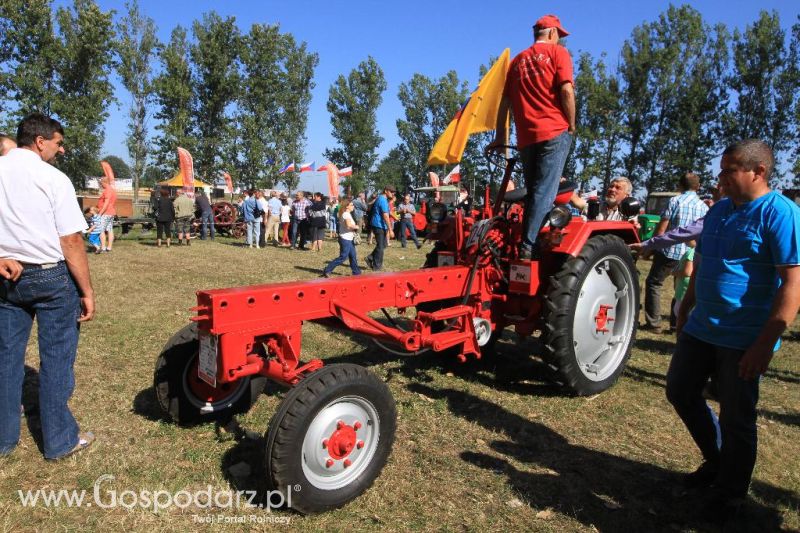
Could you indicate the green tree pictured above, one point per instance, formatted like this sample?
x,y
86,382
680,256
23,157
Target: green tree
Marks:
x,y
277,80
216,84
429,106
29,54
599,117
136,45
353,103
764,83
174,100
673,91
84,91
290,132
391,170
121,169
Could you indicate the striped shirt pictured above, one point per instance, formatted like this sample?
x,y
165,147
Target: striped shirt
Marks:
x,y
737,278
682,210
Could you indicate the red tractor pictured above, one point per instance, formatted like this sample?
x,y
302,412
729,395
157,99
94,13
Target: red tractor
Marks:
x,y
334,430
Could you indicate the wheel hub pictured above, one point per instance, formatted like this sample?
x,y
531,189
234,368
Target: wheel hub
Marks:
x,y
343,440
340,442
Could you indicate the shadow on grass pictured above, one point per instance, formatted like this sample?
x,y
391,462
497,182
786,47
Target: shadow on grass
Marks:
x,y
145,404
783,375
645,376
787,419
511,368
599,489
660,346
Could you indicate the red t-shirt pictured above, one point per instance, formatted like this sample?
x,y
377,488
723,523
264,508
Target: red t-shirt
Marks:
x,y
533,87
109,196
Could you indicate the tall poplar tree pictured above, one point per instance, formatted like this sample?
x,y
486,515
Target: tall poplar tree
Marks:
x,y
137,45
353,103
85,43
215,56
174,98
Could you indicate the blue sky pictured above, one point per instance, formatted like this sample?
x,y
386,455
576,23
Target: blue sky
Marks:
x,y
429,37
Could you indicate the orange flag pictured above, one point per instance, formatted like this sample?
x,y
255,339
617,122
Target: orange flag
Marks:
x,y
333,180
186,164
109,172
228,181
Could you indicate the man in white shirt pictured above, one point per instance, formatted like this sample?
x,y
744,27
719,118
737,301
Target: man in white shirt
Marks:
x,y
44,273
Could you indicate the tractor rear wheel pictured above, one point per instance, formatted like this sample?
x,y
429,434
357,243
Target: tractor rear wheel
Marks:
x,y
590,315
330,437
185,397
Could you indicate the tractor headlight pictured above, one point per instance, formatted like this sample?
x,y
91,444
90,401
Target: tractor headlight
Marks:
x,y
559,216
438,212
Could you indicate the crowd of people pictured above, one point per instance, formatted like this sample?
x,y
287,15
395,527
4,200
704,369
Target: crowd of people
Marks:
x,y
736,264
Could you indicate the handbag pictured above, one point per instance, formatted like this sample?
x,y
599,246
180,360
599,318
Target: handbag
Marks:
x,y
357,238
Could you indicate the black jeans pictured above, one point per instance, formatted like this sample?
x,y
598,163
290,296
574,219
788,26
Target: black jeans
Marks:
x,y
694,361
660,270
376,257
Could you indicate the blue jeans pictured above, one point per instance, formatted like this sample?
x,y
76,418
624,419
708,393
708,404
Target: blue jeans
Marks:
x,y
408,223
253,232
542,165
299,231
347,250
207,220
694,361
51,296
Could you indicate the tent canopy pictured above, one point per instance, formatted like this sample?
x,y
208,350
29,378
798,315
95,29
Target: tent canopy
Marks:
x,y
177,181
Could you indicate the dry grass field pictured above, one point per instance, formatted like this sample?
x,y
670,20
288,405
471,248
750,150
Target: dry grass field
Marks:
x,y
478,448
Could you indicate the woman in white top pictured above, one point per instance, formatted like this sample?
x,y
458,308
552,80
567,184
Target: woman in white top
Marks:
x,y
285,220
347,231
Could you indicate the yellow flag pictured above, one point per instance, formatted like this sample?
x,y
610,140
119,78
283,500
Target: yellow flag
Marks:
x,y
479,114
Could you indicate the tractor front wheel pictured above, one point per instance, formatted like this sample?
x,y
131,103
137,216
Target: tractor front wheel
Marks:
x,y
590,315
330,437
189,400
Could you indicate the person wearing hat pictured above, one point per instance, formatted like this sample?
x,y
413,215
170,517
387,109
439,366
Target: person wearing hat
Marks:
x,y
381,226
539,92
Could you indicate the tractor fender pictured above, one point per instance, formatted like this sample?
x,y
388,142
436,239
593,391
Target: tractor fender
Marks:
x,y
577,232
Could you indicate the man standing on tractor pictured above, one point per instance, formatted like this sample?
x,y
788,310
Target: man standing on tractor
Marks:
x,y
540,94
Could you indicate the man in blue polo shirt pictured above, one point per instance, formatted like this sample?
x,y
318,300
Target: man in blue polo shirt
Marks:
x,y
381,227
745,292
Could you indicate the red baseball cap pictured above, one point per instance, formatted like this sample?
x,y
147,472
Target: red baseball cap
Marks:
x,y
551,21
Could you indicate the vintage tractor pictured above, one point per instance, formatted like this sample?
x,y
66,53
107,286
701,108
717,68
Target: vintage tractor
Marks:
x,y
227,220
334,430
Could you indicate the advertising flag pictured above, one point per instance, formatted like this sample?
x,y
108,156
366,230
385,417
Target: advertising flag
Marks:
x,y
186,164
333,180
228,182
109,172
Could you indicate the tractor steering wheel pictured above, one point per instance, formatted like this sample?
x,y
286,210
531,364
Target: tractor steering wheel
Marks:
x,y
497,161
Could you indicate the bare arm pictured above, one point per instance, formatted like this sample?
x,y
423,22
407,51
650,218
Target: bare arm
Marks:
x,y
78,265
662,227
568,104
784,310
387,219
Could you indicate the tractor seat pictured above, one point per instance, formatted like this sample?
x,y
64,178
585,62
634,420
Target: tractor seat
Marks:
x,y
565,190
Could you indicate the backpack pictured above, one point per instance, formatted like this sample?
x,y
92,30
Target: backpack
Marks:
x,y
257,211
